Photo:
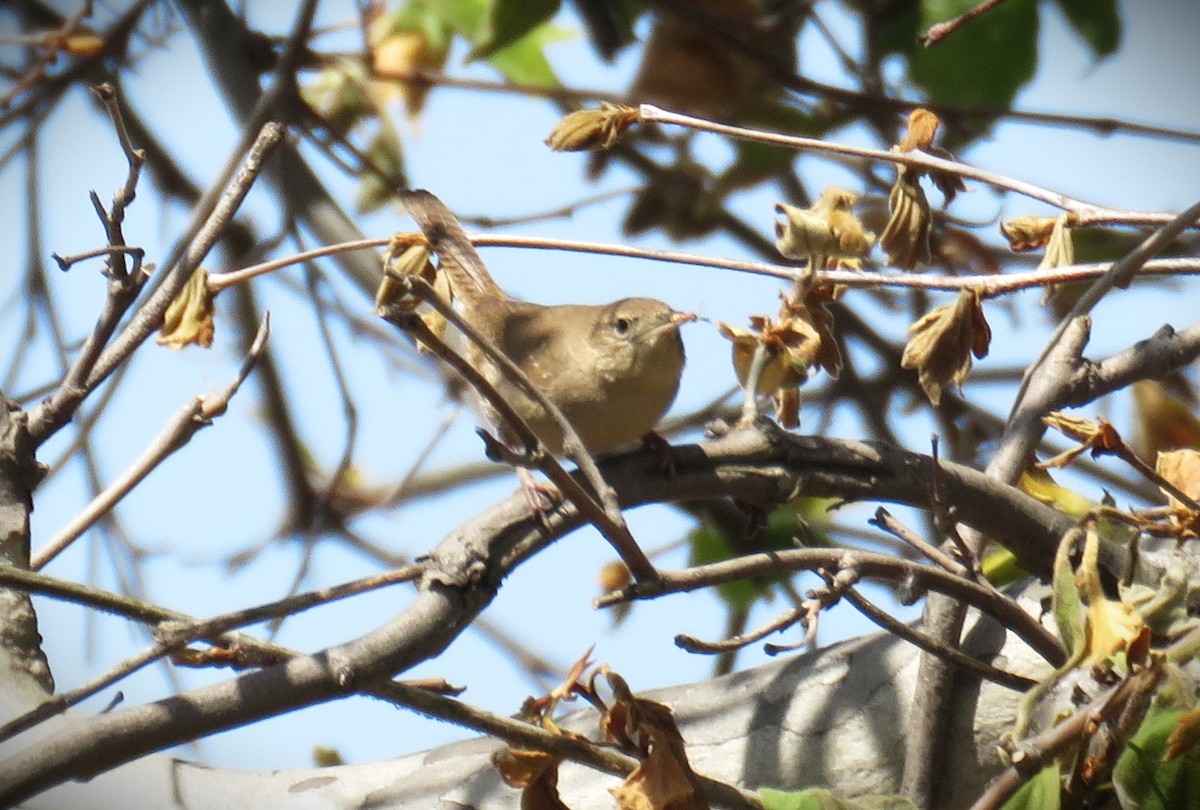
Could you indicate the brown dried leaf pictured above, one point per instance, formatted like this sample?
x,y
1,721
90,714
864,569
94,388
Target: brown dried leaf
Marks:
x,y
1164,421
922,127
586,130
827,230
941,343
792,347
787,408
535,773
1060,250
1181,468
189,318
1099,436
1184,736
1027,232
813,309
947,182
906,237
414,260
664,779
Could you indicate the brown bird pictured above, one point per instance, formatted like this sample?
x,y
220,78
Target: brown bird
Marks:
x,y
613,369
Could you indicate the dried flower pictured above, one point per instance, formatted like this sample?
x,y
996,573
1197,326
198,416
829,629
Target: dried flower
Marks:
x,y
1027,232
827,230
398,51
585,130
922,128
813,309
1060,249
791,346
413,260
941,343
906,237
189,318
1099,436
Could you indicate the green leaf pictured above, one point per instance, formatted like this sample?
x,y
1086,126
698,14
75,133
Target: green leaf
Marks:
x,y
1042,792
1000,567
1141,778
387,155
1096,22
522,62
1068,606
508,21
709,544
822,799
609,23
985,62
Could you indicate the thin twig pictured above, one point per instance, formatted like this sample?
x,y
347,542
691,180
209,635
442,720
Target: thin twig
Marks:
x,y
778,624
1119,275
888,523
85,375
936,647
191,419
936,33
175,631
868,565
987,284
1084,213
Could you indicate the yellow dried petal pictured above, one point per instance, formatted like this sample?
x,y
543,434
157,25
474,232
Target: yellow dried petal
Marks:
x,y
789,347
1036,482
189,318
415,260
1081,430
1111,626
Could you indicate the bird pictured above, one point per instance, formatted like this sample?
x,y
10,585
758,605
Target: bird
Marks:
x,y
612,369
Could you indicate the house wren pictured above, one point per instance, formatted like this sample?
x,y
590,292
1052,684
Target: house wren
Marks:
x,y
613,369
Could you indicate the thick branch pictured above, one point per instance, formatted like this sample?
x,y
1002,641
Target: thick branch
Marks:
x,y
753,465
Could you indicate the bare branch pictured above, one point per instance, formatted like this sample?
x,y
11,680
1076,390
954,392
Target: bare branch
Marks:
x,y
191,419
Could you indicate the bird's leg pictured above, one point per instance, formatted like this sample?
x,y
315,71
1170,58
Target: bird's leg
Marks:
x,y
541,496
664,453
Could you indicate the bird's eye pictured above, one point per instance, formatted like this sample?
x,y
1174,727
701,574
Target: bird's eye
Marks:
x,y
621,325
